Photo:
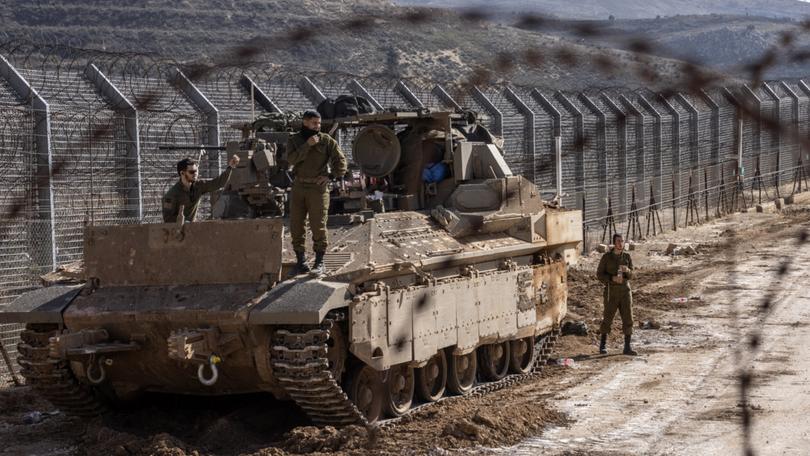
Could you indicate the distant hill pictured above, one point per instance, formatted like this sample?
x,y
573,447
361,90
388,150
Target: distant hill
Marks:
x,y
427,44
431,45
726,43
627,9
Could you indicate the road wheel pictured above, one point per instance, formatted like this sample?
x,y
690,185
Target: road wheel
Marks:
x,y
366,390
461,372
399,386
521,359
493,360
431,379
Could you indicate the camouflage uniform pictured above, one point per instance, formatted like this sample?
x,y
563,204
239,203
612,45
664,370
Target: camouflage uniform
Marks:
x,y
616,296
190,199
309,198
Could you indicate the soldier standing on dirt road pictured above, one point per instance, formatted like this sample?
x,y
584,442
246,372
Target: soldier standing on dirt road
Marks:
x,y
615,271
188,191
309,152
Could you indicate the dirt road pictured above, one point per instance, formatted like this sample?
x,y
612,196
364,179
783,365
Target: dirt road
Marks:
x,y
680,396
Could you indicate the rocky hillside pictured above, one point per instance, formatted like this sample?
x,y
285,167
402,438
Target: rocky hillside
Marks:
x,y
726,43
364,38
627,9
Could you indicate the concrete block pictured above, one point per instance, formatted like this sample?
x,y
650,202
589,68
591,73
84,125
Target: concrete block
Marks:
x,y
780,203
602,248
766,207
788,199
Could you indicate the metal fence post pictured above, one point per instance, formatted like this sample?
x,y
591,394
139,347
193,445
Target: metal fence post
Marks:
x,y
203,105
715,134
676,150
556,122
694,133
408,95
641,152
601,144
358,89
804,153
311,91
777,139
43,249
658,162
490,108
795,136
118,102
579,144
259,96
439,92
621,126
531,147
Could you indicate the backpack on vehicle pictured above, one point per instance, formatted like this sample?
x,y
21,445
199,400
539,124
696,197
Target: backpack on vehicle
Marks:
x,y
344,106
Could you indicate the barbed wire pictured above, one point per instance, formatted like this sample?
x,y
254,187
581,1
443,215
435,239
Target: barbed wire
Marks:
x,y
88,148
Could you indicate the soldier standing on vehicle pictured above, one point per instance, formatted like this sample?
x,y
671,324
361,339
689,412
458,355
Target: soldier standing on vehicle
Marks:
x,y
188,190
615,271
309,152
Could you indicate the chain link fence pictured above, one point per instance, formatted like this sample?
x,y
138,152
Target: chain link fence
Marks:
x,y
79,144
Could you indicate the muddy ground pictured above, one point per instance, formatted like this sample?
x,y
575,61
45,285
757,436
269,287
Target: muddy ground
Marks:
x,y
678,396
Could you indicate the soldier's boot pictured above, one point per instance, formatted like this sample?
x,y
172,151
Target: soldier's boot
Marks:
x,y
603,345
318,268
627,349
300,265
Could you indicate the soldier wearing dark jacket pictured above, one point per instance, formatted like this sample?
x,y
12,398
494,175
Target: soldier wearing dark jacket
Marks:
x,y
615,271
189,190
315,156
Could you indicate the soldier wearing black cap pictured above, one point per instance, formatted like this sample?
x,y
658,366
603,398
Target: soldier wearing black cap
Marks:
x,y
313,155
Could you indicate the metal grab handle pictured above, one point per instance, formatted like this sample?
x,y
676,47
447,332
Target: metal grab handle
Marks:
x,y
100,378
214,374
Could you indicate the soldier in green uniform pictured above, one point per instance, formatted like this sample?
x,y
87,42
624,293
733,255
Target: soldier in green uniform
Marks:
x,y
309,152
189,190
615,271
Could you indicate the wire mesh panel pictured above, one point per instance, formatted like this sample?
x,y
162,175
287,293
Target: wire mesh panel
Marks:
x,y
466,100
18,268
789,146
9,368
520,159
612,143
769,112
593,145
544,148
87,159
385,92
427,97
704,144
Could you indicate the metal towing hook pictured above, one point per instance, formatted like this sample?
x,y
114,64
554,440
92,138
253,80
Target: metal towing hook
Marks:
x,y
213,360
99,366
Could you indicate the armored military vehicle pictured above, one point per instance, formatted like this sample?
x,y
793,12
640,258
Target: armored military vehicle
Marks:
x,y
445,271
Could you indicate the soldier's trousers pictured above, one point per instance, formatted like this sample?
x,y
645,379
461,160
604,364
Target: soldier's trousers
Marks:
x,y
309,201
621,299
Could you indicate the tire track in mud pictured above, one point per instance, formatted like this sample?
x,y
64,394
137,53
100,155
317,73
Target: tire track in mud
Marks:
x,y
677,402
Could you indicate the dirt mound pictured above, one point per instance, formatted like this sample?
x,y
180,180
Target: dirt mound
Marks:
x,y
104,440
310,439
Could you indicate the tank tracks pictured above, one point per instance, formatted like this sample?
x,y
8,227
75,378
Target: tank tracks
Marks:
x,y
52,378
300,365
299,362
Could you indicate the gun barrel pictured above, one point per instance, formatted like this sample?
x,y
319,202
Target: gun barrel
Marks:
x,y
189,147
